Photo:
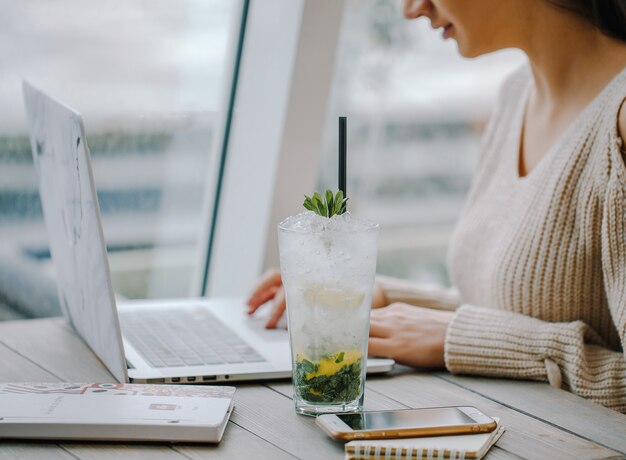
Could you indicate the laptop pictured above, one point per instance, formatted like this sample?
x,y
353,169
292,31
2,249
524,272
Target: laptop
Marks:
x,y
146,341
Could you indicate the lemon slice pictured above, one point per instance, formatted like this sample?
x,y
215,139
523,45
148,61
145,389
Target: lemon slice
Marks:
x,y
336,298
328,365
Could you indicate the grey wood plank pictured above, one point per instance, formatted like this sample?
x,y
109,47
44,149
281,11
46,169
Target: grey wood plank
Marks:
x,y
525,436
236,443
53,345
16,367
271,416
559,407
497,453
33,451
106,451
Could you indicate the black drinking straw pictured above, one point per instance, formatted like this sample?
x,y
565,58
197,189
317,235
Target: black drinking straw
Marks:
x,y
342,155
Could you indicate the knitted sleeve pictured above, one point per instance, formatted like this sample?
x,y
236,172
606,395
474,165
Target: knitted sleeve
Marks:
x,y
499,343
399,290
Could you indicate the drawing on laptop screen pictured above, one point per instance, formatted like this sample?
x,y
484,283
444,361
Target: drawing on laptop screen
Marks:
x,y
73,224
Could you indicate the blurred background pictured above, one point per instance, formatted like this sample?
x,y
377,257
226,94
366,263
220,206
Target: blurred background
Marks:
x,y
153,79
416,111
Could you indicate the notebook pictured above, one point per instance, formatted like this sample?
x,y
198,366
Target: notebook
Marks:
x,y
467,446
114,412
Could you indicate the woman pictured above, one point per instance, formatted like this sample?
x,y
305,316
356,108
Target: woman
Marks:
x,y
539,253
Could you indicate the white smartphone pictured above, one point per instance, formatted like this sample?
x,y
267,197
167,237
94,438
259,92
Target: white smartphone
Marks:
x,y
431,421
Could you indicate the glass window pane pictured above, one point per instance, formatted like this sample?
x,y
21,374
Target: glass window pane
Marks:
x,y
415,111
152,80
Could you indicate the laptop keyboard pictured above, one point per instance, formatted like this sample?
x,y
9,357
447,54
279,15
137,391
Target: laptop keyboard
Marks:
x,y
178,337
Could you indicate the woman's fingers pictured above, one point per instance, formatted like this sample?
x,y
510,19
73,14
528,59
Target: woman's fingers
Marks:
x,y
378,329
379,299
379,323
266,289
380,347
279,308
263,297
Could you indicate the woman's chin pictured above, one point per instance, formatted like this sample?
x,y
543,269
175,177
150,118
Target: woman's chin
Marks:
x,y
470,51
464,50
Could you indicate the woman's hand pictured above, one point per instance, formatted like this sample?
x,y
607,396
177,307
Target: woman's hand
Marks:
x,y
411,335
270,286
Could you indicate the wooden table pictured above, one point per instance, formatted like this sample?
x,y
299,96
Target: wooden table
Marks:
x,y
541,422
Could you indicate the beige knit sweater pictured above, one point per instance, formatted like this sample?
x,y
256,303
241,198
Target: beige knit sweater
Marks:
x,y
540,261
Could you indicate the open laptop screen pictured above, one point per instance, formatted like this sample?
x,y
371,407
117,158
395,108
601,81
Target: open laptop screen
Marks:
x,y
72,216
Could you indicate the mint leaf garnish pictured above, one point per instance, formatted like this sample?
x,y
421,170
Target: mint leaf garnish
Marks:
x,y
326,206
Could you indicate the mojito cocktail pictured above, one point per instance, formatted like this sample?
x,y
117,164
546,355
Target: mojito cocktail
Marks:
x,y
328,267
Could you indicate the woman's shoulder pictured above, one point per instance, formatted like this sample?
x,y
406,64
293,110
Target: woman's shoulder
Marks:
x,y
609,132
515,83
621,126
619,104
510,95
520,76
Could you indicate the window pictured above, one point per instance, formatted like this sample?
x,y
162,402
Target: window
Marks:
x,y
153,81
275,136
415,111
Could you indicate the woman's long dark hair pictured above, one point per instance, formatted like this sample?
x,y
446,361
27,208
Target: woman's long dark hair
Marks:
x,y
607,15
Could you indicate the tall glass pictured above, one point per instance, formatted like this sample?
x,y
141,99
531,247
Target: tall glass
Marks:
x,y
328,268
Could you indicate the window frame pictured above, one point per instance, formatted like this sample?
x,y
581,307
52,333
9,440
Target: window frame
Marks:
x,y
274,141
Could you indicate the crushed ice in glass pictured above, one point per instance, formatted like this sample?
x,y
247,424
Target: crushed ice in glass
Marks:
x,y
310,222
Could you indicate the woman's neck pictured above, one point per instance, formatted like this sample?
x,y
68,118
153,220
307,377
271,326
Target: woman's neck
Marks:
x,y
571,60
